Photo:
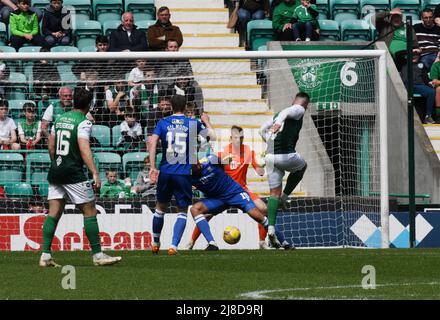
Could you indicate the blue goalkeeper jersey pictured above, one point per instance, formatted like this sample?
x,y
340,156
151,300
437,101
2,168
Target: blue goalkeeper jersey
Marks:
x,y
178,135
213,181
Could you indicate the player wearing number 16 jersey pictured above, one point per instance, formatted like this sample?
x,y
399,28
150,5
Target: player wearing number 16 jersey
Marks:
x,y
178,135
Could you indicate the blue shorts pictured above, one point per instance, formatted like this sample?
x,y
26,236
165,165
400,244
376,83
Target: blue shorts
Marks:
x,y
177,185
241,201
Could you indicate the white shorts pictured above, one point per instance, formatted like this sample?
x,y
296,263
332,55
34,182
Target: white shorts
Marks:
x,y
278,164
78,193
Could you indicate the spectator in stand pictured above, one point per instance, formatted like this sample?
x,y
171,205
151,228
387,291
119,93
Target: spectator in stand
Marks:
x,y
113,188
136,75
91,83
102,44
29,130
46,79
428,36
159,33
8,136
56,25
437,15
56,109
163,110
168,70
422,86
250,10
304,21
4,79
9,6
434,74
24,26
142,185
144,97
391,30
117,98
127,37
131,132
188,87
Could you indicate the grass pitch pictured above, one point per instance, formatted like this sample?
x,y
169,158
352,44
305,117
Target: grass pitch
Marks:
x,y
228,274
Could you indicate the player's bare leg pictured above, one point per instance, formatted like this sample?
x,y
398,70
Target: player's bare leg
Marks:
x,y
92,231
56,208
198,211
158,218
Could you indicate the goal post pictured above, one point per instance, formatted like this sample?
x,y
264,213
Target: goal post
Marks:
x,y
341,202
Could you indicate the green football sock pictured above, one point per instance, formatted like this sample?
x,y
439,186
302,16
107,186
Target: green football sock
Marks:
x,y
92,231
49,227
292,181
272,207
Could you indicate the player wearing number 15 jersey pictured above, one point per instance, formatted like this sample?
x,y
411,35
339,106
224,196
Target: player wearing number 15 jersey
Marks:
x,y
178,135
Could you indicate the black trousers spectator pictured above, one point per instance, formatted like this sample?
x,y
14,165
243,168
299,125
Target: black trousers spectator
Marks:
x,y
18,42
287,35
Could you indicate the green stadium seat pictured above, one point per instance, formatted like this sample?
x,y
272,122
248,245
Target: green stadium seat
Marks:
x,y
415,16
85,42
78,18
30,49
429,4
40,4
64,49
16,108
11,161
109,26
7,49
10,176
19,86
141,6
323,9
81,6
3,34
329,30
132,163
18,190
85,33
107,160
37,163
407,6
339,17
344,7
259,32
142,16
143,25
158,159
102,134
372,6
355,30
108,16
43,189
116,135
107,6
88,49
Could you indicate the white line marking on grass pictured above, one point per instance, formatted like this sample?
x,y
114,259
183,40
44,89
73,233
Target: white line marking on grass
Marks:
x,y
264,294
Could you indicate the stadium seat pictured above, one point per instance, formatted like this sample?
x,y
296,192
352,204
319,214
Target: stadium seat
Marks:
x,y
30,49
19,86
415,16
407,6
143,25
132,163
142,16
429,4
329,30
372,6
108,16
116,135
16,108
10,176
146,6
355,30
102,134
323,9
78,18
86,43
259,32
344,7
37,164
109,26
158,159
107,6
3,34
11,161
107,160
18,190
88,49
64,49
43,189
40,4
81,6
6,49
86,32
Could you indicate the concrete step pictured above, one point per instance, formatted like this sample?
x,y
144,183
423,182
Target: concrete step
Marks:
x,y
202,27
184,48
190,3
221,65
221,105
432,129
237,119
436,143
211,40
207,78
231,92
199,15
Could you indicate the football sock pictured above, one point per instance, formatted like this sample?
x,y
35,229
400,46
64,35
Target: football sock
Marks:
x,y
157,225
203,225
92,231
280,236
293,179
272,207
179,228
49,228
196,234
262,231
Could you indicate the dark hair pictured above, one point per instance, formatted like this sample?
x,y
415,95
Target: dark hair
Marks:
x,y
178,103
25,1
239,129
161,9
129,112
429,10
28,106
82,99
163,96
303,95
44,49
101,39
4,103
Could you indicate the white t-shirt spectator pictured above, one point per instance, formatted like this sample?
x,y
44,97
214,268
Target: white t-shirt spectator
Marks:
x,y
136,75
133,132
6,126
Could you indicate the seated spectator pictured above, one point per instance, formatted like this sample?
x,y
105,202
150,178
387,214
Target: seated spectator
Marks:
x,y
56,109
136,75
437,15
144,96
46,79
142,185
131,132
127,37
428,36
159,33
190,110
163,110
422,86
24,26
250,10
168,70
8,136
102,44
9,6
117,99
92,83
434,74
29,130
304,21
391,30
55,26
188,87
4,80
113,188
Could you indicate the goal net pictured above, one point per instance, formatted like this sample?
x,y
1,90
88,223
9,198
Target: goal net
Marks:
x,y
341,201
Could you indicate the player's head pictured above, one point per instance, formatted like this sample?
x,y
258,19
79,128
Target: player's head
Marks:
x,y
29,111
237,135
82,99
302,99
111,175
4,108
178,103
102,44
65,94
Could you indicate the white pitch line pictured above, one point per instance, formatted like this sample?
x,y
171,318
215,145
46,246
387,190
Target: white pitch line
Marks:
x,y
262,294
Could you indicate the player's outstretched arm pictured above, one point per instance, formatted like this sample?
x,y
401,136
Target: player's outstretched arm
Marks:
x,y
152,145
293,112
264,130
211,131
86,155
